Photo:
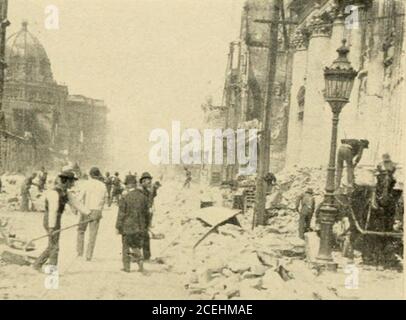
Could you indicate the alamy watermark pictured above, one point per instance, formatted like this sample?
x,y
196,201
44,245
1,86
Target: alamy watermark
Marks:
x,y
352,279
51,21
52,279
208,146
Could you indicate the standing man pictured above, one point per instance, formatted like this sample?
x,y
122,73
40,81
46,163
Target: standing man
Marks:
x,y
349,152
43,175
25,192
270,180
55,202
305,205
150,192
109,183
132,223
94,195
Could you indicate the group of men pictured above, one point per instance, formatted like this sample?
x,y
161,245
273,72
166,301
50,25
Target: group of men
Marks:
x,y
133,220
350,152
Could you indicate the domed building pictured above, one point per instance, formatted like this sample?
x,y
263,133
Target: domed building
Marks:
x,y
38,110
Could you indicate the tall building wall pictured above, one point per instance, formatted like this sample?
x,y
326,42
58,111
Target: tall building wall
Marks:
x,y
374,111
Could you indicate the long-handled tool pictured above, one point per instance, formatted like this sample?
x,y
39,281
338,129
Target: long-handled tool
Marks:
x,y
30,243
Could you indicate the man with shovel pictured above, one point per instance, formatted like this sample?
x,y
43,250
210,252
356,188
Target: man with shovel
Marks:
x,y
55,202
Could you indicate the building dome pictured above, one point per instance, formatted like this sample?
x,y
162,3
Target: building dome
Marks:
x,y
26,58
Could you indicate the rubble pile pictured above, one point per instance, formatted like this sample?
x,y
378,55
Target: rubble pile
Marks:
x,y
236,262
293,182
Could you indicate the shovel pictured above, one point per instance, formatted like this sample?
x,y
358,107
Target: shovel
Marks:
x,y
30,243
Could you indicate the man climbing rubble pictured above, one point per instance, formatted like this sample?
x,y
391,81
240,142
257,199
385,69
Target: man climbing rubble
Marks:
x,y
305,206
55,202
350,152
132,224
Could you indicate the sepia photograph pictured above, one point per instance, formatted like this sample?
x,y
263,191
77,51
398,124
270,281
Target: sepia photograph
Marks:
x,y
202,150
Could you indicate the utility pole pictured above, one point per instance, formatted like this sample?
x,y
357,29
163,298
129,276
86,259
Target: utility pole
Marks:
x,y
4,24
265,137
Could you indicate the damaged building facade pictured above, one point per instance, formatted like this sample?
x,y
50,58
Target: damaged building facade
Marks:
x,y
310,32
246,83
44,125
374,31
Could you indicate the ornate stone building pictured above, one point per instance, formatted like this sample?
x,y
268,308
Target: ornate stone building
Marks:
x,y
41,113
374,30
310,31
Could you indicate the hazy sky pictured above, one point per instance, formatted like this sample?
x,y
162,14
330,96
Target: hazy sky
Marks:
x,y
152,61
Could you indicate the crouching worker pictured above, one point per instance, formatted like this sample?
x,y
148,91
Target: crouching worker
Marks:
x,y
132,223
305,205
55,202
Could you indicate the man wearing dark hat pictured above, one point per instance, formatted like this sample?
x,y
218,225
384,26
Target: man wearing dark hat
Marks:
x,y
55,202
94,195
305,205
349,152
132,223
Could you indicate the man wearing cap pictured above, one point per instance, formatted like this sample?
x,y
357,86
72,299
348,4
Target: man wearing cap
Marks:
x,y
55,202
349,152
305,205
132,223
94,196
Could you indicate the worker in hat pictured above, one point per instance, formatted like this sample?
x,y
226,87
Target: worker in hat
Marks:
x,y
55,202
305,205
270,180
133,222
350,152
94,195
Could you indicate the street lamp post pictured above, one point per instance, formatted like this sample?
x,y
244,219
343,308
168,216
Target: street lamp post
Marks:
x,y
339,79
